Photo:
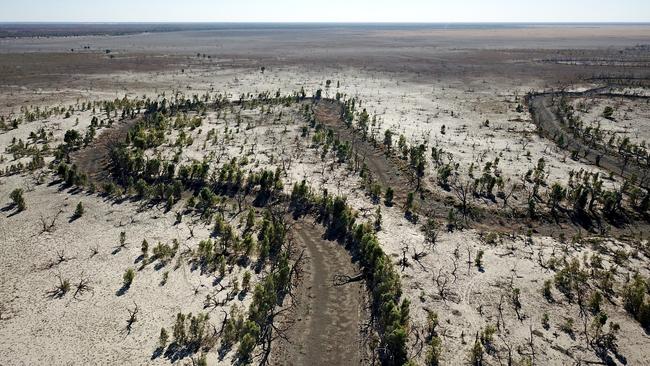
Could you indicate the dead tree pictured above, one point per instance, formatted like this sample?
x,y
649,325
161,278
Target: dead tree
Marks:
x,y
60,254
417,256
463,191
404,261
532,345
501,321
441,282
133,317
82,286
94,251
48,225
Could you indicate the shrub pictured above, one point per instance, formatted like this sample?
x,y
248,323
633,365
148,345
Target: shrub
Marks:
x,y
18,199
595,301
567,326
128,277
180,336
246,346
434,352
430,230
410,198
478,261
432,322
608,112
202,360
545,321
546,290
145,248
476,353
250,219
246,281
487,335
375,192
164,337
388,197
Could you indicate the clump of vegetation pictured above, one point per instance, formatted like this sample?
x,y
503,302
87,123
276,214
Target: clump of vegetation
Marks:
x,y
545,321
478,261
608,112
163,338
190,331
79,211
567,326
17,199
128,277
434,352
635,300
546,290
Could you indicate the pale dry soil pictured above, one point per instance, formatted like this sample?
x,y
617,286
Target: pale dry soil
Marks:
x,y
414,102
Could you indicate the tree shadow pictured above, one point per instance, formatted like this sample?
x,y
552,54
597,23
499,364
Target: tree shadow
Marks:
x,y
123,290
159,351
7,208
176,352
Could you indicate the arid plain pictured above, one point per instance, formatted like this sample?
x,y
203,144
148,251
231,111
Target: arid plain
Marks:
x,y
325,194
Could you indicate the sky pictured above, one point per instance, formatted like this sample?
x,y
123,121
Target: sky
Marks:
x,y
443,11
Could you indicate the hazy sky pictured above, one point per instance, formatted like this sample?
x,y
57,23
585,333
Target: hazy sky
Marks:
x,y
326,10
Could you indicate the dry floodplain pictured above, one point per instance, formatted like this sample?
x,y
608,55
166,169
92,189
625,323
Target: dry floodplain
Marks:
x,y
352,195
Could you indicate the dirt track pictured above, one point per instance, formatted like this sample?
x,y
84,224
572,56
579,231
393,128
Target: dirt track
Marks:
x,y
93,160
326,324
546,120
391,172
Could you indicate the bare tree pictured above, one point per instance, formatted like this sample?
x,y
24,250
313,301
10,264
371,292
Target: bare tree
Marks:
x,y
48,225
133,317
463,190
442,281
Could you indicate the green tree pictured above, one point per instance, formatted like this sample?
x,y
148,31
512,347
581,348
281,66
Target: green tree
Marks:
x,y
145,248
180,335
557,194
430,230
79,211
246,281
388,139
635,300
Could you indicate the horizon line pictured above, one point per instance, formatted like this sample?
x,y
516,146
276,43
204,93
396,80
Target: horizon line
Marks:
x,y
315,22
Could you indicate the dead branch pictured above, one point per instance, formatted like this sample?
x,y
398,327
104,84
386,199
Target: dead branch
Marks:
x,y
132,318
341,279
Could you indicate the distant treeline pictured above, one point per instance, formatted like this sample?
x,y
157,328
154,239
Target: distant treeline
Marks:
x,y
37,29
